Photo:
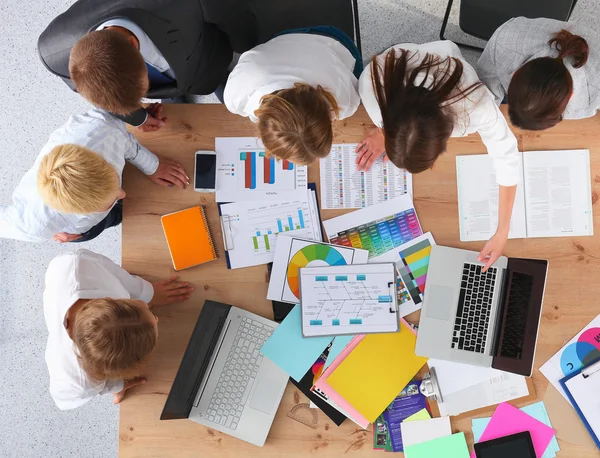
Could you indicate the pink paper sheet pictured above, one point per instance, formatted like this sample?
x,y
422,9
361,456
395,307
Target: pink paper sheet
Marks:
x,y
332,394
508,420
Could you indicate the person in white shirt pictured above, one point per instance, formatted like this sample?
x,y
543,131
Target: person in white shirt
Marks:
x,y
73,191
101,326
293,86
419,96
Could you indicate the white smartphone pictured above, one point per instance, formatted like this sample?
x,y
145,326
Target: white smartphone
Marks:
x,y
205,171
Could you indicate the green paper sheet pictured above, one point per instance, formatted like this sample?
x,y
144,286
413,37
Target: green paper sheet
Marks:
x,y
454,446
420,415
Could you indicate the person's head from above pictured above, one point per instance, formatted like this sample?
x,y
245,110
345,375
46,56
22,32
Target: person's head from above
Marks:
x,y
416,102
114,338
540,90
109,71
296,124
75,180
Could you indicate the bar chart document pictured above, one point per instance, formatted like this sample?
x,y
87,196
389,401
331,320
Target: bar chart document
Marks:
x,y
251,229
344,186
554,196
348,299
245,173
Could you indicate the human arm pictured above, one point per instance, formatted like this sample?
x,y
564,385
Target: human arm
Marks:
x,y
71,394
487,69
234,18
494,247
145,119
120,395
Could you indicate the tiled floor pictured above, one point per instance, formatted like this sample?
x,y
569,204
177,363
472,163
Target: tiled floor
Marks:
x,y
34,104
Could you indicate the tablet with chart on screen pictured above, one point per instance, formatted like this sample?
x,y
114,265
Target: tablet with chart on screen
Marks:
x,y
245,173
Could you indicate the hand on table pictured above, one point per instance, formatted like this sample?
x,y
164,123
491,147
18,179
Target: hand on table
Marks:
x,y
169,291
370,148
170,173
128,384
63,237
492,250
153,121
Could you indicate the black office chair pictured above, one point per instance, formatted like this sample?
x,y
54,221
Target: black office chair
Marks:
x,y
481,18
275,16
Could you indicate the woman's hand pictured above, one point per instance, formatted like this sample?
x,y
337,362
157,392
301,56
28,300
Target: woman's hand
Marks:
x,y
372,146
493,249
169,291
128,384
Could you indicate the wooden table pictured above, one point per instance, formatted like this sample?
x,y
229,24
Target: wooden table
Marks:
x,y
570,303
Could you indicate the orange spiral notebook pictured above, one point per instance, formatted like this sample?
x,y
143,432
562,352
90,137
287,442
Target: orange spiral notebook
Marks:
x,y
189,238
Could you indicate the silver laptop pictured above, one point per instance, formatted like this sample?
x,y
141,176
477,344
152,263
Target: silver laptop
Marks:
x,y
223,381
485,319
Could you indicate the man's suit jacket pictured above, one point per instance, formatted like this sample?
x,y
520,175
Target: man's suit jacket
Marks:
x,y
196,37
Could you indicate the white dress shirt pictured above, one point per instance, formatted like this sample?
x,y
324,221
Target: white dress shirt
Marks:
x,y
29,219
289,59
148,49
476,113
70,277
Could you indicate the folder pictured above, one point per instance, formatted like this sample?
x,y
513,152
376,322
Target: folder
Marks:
x,y
377,370
583,391
188,237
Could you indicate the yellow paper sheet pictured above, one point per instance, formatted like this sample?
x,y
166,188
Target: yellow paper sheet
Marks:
x,y
420,415
377,370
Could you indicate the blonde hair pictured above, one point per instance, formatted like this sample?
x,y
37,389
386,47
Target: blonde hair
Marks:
x,y
74,179
113,339
109,71
296,124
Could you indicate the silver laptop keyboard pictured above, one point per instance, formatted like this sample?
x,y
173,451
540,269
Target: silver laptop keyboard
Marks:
x,y
238,374
474,306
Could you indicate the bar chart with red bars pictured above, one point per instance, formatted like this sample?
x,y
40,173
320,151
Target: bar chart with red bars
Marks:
x,y
255,161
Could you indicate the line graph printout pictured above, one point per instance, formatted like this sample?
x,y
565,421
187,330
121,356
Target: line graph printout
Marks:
x,y
245,173
351,299
344,186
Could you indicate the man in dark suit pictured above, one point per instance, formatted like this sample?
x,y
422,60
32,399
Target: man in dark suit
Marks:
x,y
114,52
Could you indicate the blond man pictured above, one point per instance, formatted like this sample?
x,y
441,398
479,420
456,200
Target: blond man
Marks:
x,y
73,191
101,326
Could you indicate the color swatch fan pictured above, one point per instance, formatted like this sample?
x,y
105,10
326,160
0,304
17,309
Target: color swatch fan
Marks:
x,y
414,263
292,254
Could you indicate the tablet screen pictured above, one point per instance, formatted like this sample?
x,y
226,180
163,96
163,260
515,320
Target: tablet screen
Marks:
x,y
514,446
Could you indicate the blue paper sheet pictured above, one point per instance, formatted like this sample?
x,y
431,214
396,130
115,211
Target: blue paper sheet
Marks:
x,y
537,411
339,343
289,350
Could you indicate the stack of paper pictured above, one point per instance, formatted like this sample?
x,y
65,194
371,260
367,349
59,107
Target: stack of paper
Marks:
x,y
417,432
509,420
537,411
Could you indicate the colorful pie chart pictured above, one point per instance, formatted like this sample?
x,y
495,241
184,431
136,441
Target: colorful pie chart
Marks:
x,y
311,253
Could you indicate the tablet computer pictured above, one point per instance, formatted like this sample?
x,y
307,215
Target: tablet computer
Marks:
x,y
517,445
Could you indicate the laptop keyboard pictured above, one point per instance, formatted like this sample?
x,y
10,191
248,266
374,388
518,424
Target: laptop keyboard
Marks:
x,y
516,315
238,374
474,306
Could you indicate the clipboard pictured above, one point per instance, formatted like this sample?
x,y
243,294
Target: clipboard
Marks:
x,y
227,230
588,379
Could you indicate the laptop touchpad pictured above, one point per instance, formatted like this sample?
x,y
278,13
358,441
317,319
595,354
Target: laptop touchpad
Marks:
x,y
264,397
440,302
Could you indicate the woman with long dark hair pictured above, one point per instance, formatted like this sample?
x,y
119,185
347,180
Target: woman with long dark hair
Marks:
x,y
419,96
545,68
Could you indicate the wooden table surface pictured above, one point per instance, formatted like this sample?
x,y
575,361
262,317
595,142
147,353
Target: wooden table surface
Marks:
x,y
570,302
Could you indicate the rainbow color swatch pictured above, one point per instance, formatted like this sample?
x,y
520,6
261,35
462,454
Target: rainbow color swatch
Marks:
x,y
383,235
313,252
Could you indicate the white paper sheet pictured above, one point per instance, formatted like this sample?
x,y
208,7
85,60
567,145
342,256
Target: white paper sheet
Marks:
x,y
348,299
503,388
416,432
252,229
241,173
343,186
453,377
558,195
478,200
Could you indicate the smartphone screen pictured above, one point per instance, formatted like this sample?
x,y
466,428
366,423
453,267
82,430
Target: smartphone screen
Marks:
x,y
205,171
